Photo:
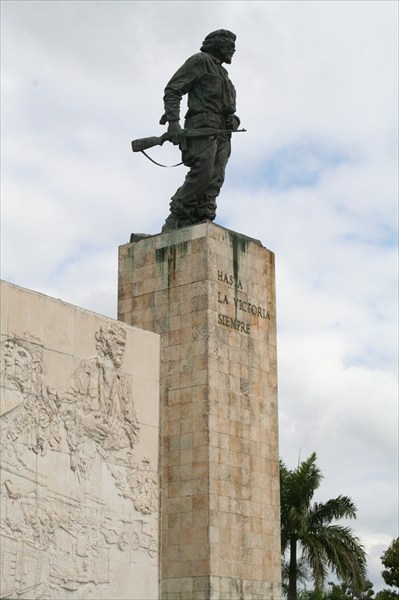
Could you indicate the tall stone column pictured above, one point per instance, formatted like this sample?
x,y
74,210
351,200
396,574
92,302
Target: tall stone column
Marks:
x,y
210,293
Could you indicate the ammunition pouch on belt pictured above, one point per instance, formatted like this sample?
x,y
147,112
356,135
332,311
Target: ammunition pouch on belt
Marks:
x,y
207,119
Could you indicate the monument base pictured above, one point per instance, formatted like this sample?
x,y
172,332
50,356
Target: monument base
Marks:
x,y
210,293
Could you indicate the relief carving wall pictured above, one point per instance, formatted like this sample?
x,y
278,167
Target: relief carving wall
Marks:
x,y
79,495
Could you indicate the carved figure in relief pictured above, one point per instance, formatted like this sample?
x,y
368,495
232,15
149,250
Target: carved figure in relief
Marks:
x,y
146,496
29,409
64,540
95,409
21,366
97,406
52,542
137,483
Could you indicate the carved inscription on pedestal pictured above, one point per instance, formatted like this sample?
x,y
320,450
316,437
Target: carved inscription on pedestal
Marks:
x,y
242,308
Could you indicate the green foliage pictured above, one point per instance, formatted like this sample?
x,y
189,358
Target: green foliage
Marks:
x,y
390,560
338,592
387,595
310,595
344,592
325,546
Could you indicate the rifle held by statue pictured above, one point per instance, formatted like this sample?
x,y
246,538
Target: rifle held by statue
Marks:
x,y
149,142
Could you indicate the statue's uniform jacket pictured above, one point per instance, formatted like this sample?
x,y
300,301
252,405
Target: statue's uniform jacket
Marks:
x,y
207,84
211,99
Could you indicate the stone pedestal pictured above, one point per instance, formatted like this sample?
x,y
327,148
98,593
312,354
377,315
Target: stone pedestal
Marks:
x,y
210,293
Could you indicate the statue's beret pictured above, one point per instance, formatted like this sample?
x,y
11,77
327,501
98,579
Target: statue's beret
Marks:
x,y
221,33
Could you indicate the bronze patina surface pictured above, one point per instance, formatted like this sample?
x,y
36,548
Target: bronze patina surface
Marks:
x,y
211,99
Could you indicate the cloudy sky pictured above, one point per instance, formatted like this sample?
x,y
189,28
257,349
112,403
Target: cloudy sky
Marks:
x,y
314,178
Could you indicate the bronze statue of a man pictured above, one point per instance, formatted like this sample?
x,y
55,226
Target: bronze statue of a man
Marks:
x,y
211,104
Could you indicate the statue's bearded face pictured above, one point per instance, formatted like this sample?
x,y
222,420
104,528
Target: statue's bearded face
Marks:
x,y
226,51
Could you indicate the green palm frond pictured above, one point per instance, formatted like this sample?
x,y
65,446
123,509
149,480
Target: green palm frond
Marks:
x,y
325,546
341,507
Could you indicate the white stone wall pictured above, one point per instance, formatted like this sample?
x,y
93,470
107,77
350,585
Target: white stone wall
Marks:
x,y
79,488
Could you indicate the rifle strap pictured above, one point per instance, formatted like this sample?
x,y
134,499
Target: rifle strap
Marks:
x,y
159,164
180,163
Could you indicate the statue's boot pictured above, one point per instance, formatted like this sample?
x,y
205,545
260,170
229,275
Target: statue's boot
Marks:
x,y
170,224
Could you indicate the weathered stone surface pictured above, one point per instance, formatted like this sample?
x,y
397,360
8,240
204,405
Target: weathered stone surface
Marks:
x,y
79,487
210,293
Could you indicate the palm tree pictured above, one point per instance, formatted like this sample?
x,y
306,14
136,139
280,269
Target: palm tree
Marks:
x,y
324,545
303,574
